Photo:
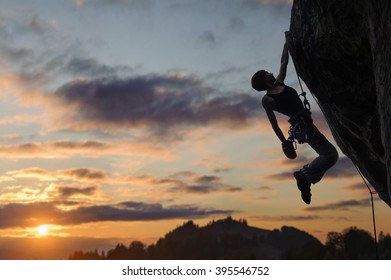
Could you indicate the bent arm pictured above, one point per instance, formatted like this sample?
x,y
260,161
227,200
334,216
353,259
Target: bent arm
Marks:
x,y
268,104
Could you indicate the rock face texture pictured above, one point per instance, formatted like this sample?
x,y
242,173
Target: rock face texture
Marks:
x,y
342,51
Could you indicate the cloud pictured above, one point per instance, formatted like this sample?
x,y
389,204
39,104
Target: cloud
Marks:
x,y
31,70
197,189
217,163
76,182
108,98
75,174
89,67
345,205
83,174
359,187
21,150
86,145
79,3
37,213
236,24
156,102
269,2
207,179
207,37
280,176
287,218
183,182
344,168
134,4
219,170
224,73
87,148
24,23
264,188
39,26
70,195
66,192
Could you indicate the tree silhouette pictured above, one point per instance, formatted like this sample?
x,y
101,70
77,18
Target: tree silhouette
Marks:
x,y
352,244
80,255
235,239
335,246
359,244
384,246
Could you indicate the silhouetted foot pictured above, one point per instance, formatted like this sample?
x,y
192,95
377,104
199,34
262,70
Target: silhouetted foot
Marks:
x,y
304,186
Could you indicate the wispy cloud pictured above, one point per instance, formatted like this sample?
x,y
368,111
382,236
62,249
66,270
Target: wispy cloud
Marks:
x,y
132,4
25,23
236,24
281,176
271,2
342,169
76,174
345,205
90,67
87,149
34,214
287,218
208,38
79,183
359,188
70,194
184,182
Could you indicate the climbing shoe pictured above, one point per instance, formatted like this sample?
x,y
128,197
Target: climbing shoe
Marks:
x,y
304,186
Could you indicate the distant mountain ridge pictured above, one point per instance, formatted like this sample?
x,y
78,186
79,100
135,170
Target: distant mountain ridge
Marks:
x,y
234,239
222,239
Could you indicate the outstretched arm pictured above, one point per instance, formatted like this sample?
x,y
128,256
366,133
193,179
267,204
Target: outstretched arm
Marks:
x,y
284,63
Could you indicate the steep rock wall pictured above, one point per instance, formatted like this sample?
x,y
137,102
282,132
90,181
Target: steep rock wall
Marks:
x,y
342,50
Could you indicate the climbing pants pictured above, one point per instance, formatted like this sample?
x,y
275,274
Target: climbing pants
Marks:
x,y
327,157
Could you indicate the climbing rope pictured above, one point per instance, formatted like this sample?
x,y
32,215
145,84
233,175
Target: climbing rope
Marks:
x,y
355,165
307,104
373,208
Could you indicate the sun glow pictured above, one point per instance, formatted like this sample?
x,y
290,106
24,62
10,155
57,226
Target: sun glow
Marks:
x,y
43,230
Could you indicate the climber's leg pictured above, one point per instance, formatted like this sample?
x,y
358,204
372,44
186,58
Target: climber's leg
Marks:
x,y
304,186
328,156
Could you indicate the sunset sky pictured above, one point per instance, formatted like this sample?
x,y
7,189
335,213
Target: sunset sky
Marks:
x,y
122,119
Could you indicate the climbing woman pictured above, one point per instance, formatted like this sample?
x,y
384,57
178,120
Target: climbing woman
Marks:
x,y
285,100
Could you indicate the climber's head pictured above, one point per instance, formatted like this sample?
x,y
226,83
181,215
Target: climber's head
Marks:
x,y
261,80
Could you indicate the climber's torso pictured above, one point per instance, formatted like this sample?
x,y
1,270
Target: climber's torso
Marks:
x,y
283,99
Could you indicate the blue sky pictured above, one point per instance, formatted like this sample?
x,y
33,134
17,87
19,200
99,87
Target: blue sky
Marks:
x,y
123,119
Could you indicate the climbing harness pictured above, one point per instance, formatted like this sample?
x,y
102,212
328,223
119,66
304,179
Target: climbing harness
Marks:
x,y
371,192
301,128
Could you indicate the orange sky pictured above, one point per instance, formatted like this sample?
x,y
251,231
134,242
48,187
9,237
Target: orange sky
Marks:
x,y
126,127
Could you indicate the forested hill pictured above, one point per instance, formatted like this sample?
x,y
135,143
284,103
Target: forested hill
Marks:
x,y
231,239
235,239
221,239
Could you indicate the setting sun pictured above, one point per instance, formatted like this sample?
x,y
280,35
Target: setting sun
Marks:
x,y
43,230
105,140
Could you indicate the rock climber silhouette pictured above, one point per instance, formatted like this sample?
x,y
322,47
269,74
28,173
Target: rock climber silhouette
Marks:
x,y
285,100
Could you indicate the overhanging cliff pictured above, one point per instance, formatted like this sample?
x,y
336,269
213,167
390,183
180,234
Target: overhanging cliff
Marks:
x,y
342,50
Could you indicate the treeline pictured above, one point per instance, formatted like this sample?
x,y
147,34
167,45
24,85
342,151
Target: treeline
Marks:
x,y
230,239
356,244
